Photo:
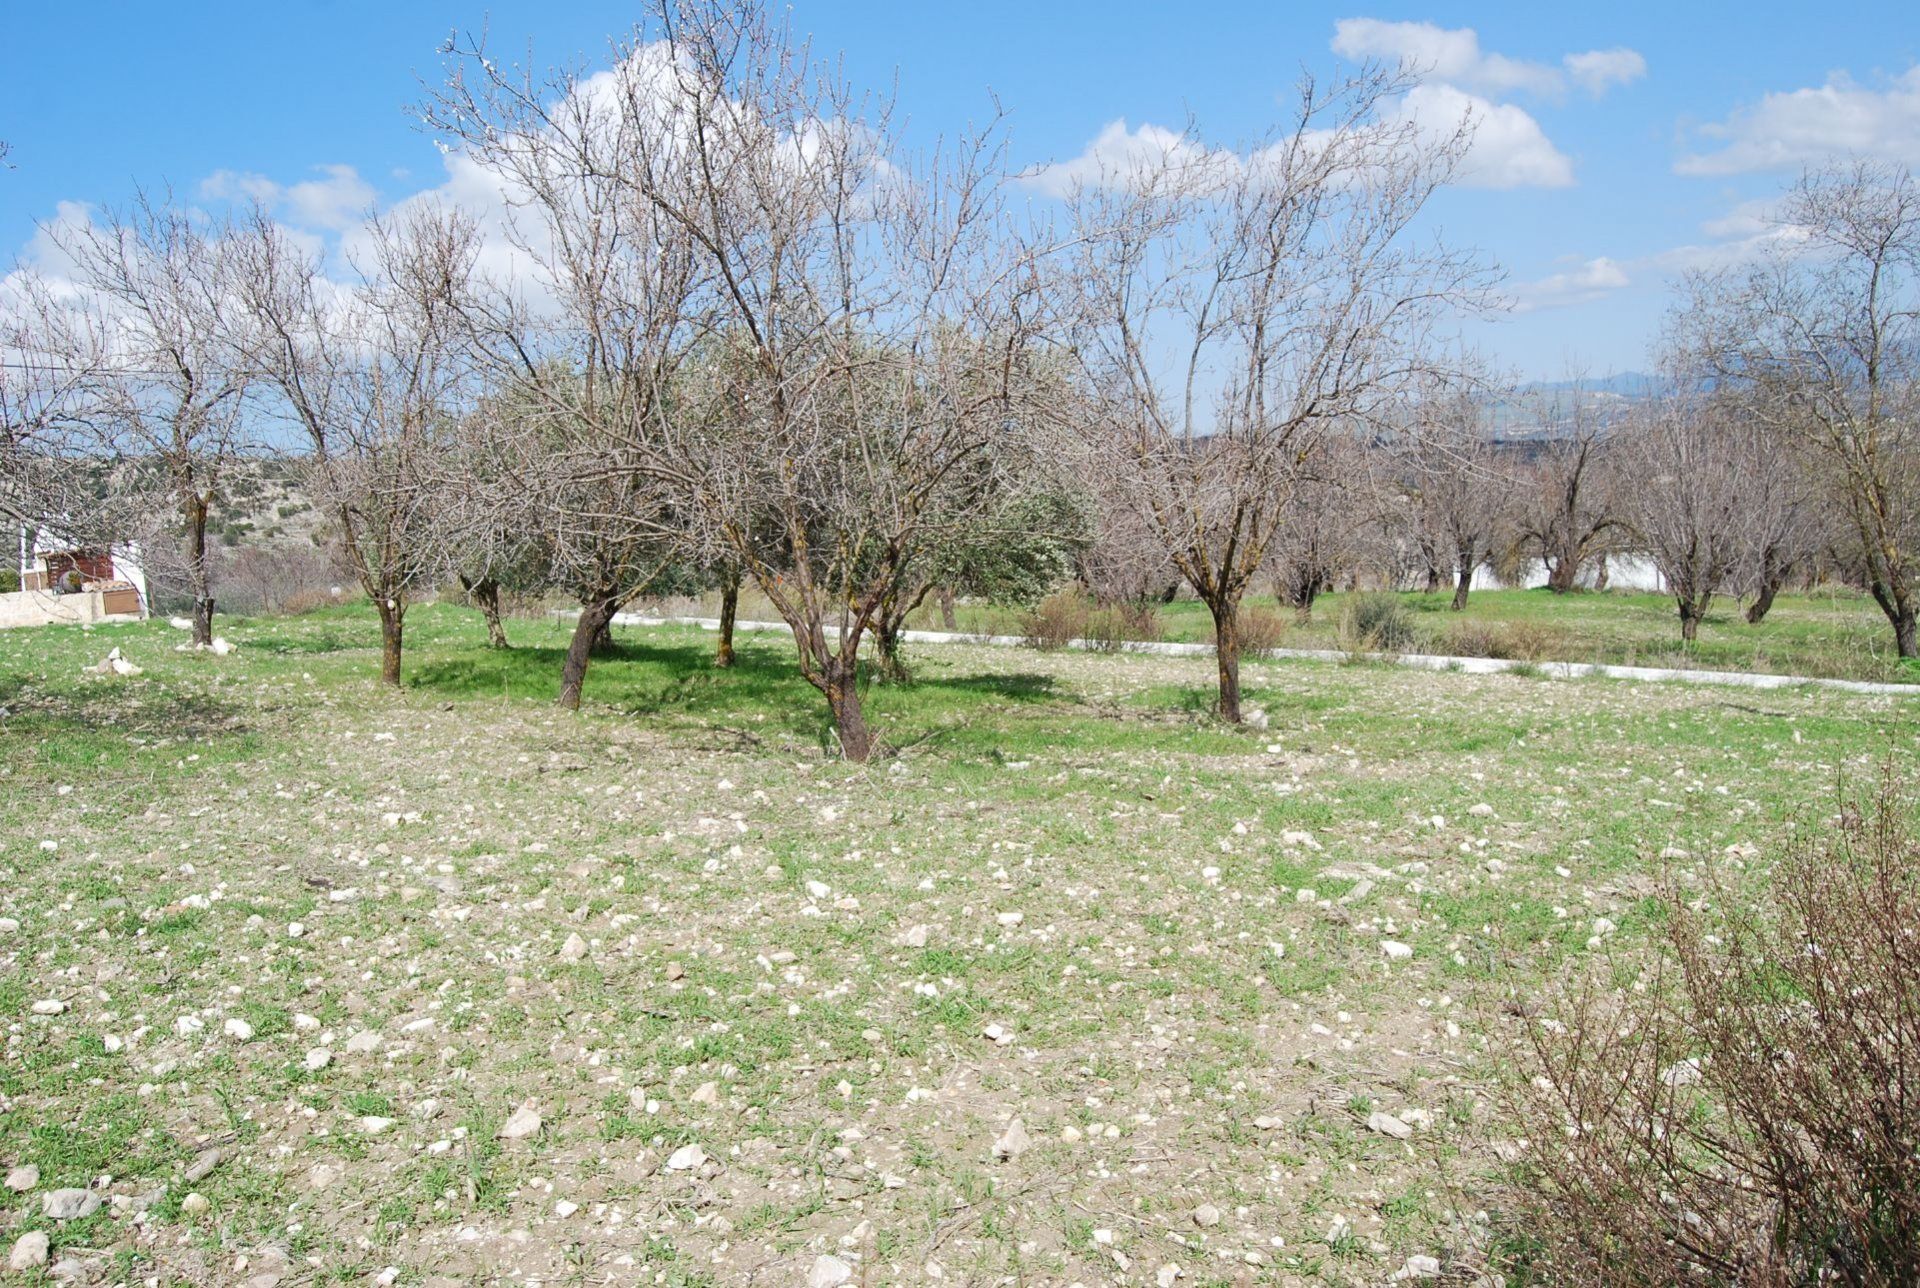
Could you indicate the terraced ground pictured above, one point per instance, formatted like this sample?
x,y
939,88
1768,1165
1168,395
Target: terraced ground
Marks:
x,y
775,1015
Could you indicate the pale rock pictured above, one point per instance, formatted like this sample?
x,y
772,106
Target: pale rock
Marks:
x,y
365,1042
707,1093
916,937
524,1122
317,1059
1206,1216
1167,1274
1482,810
565,1208
23,1178
29,1251
375,1125
194,1204
238,1029
575,948
1418,1266
1013,1142
686,1158
829,1272
1395,950
1387,1125
49,1006
69,1205
1011,919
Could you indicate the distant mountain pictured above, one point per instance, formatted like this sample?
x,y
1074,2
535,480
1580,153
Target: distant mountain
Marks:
x,y
1625,384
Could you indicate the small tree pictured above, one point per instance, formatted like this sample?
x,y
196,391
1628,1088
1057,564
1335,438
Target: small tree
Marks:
x,y
1462,493
1687,484
1826,327
373,375
1565,514
166,385
1234,309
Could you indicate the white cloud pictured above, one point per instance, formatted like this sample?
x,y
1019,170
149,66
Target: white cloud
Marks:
x,y
1589,280
334,202
1792,128
1509,149
1599,70
1119,158
1453,55
1445,54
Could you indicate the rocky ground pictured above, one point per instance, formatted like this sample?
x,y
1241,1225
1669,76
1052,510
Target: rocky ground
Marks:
x,y
305,982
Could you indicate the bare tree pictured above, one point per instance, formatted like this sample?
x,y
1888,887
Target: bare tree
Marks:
x,y
1330,522
1828,326
871,316
165,386
589,349
1462,493
49,453
1234,308
372,374
1564,498
1687,486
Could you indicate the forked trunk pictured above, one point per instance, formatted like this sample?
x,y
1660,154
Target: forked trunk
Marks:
x,y
485,595
595,616
839,683
1898,605
1562,574
887,665
729,611
1692,609
392,621
1773,575
1463,583
1226,652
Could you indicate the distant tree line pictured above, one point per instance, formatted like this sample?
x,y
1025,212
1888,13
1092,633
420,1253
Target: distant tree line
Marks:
x,y
733,332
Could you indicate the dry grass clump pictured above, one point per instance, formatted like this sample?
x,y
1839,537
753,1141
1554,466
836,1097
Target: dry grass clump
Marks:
x,y
1071,614
1514,641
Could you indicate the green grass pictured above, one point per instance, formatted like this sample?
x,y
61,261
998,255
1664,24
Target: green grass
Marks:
x,y
1168,987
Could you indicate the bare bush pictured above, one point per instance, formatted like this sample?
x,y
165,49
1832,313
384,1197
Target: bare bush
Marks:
x,y
1746,1111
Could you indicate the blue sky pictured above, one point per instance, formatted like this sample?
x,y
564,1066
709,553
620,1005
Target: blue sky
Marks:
x,y
1600,177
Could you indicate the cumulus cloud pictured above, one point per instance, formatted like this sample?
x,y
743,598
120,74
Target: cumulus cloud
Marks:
x,y
1588,280
1509,149
1118,157
1453,55
334,202
1791,128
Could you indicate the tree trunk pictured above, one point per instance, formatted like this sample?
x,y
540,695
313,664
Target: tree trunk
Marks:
x,y
392,621
839,683
1773,575
1226,652
485,595
197,575
1689,620
1463,581
595,614
949,620
729,611
1562,574
1906,637
1602,577
887,665
1433,577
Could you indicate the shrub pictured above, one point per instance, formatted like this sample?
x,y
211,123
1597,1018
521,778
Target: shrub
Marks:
x,y
1069,615
1057,620
1262,631
307,601
1377,623
9,580
1516,641
1746,1112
